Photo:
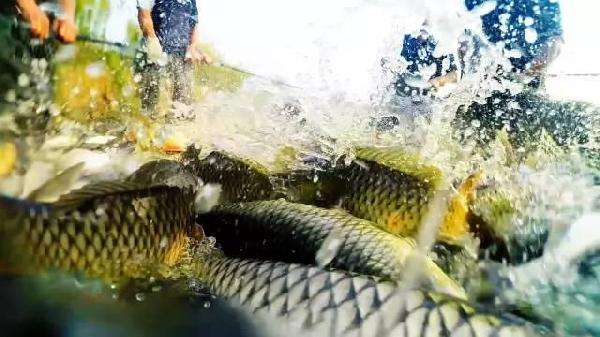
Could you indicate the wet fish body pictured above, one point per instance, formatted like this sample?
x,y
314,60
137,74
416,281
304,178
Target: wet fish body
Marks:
x,y
109,230
281,230
338,304
387,186
241,180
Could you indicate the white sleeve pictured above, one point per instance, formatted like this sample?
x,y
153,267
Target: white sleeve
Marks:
x,y
145,4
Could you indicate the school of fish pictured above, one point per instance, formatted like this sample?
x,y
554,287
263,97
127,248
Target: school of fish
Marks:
x,y
286,250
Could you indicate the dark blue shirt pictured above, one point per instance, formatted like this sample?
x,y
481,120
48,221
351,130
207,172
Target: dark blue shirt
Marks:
x,y
418,51
511,19
174,22
508,23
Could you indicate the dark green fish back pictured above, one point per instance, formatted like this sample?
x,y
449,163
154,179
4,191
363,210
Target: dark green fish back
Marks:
x,y
109,230
295,232
338,304
307,234
164,172
240,180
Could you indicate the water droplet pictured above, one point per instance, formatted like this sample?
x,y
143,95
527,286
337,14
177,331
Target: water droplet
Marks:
x,y
531,35
23,80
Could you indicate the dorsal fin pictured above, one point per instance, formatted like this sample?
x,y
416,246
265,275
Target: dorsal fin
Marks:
x,y
106,188
400,160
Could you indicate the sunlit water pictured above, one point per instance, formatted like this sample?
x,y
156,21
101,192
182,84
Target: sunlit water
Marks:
x,y
322,92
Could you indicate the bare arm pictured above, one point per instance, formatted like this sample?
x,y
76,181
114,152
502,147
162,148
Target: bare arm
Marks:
x,y
195,38
146,24
24,4
65,25
194,54
40,25
68,8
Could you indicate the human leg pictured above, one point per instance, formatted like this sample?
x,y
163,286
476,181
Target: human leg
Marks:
x,y
181,72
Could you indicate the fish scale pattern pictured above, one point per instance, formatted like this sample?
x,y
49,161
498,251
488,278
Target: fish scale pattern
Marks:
x,y
393,200
240,181
339,304
297,233
108,235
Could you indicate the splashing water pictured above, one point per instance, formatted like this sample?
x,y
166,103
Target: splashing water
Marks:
x,y
338,90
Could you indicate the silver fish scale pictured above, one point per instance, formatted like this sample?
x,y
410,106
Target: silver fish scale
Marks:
x,y
339,304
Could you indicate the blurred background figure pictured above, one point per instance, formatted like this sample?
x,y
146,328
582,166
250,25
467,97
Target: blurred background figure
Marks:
x,y
171,43
25,59
528,32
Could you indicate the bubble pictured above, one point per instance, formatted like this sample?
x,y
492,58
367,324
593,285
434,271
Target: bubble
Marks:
x,y
531,35
529,21
23,80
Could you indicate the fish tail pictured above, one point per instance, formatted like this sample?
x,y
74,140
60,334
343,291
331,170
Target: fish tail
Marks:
x,y
469,187
456,224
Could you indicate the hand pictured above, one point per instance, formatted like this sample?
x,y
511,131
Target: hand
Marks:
x,y
40,24
193,54
66,30
438,82
154,50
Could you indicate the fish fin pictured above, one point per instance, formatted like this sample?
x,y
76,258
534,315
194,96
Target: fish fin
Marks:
x,y
456,226
105,188
397,159
8,156
56,186
469,187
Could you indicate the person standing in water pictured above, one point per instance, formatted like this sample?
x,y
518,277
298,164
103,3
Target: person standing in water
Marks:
x,y
171,41
528,31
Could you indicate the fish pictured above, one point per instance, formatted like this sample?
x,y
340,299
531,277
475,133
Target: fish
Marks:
x,y
336,303
240,179
389,187
277,229
112,230
167,172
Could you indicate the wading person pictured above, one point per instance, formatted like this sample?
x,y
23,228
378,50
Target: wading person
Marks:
x,y
25,58
529,35
529,32
171,43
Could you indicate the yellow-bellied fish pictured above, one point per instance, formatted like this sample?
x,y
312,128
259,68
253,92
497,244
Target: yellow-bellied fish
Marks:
x,y
110,230
389,187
